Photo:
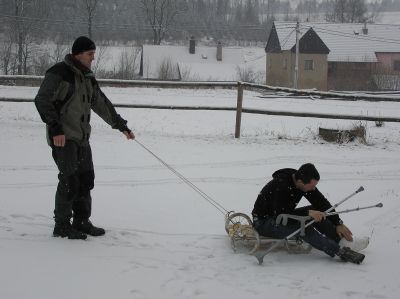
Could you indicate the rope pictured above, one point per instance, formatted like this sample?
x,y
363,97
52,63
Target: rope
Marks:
x,y
213,202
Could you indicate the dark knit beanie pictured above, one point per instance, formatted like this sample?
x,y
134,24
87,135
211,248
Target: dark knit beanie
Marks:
x,y
82,44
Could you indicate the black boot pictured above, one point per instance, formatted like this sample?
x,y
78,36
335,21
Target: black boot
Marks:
x,y
348,255
85,226
66,230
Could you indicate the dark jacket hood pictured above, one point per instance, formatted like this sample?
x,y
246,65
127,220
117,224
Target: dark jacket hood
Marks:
x,y
75,65
284,173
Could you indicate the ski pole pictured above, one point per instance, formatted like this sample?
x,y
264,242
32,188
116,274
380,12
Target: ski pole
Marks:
x,y
260,256
379,205
342,201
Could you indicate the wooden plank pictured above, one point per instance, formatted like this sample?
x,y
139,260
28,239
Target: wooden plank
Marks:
x,y
239,109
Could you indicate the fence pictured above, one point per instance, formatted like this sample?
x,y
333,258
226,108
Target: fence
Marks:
x,y
241,87
36,80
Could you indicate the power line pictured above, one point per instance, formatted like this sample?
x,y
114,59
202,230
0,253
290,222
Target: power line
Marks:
x,y
352,35
286,39
281,26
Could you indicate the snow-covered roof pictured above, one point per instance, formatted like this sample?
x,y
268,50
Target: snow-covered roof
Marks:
x,y
346,42
202,65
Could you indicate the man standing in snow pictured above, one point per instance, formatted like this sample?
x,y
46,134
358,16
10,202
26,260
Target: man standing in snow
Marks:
x,y
65,99
281,196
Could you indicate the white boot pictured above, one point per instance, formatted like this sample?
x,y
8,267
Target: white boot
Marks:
x,y
357,244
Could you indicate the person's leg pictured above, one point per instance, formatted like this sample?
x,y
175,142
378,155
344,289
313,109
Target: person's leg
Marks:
x,y
82,205
325,227
269,228
66,159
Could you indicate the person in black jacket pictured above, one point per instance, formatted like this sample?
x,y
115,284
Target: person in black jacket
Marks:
x,y
282,194
67,95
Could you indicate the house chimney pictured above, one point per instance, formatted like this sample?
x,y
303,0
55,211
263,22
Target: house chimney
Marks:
x,y
192,45
219,51
365,29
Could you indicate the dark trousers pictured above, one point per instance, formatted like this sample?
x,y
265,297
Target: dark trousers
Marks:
x,y
321,235
76,179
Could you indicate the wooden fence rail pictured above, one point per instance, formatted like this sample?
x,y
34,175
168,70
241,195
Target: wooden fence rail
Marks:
x,y
36,80
342,96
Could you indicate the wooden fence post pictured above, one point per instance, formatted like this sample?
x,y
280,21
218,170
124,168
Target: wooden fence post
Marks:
x,y
240,88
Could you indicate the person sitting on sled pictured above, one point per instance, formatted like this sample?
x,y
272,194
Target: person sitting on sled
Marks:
x,y
281,196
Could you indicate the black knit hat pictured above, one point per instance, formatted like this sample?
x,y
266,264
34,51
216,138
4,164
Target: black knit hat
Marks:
x,y
82,44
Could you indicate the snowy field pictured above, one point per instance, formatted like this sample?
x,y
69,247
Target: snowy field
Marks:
x,y
165,241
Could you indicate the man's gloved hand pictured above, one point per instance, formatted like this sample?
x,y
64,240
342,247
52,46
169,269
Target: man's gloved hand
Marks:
x,y
127,132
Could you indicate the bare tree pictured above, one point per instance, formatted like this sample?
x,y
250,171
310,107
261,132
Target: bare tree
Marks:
x,y
346,11
90,10
101,53
27,50
21,30
128,63
375,10
356,10
307,7
271,10
44,58
23,25
6,55
161,14
340,10
59,52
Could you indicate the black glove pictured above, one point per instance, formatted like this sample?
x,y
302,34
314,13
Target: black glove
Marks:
x,y
125,128
55,129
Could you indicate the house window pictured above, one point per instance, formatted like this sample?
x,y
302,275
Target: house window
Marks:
x,y
396,65
308,65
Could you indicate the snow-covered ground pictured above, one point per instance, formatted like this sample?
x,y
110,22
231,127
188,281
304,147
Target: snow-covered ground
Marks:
x,y
164,240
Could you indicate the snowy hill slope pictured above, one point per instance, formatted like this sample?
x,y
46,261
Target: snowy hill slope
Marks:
x,y
163,240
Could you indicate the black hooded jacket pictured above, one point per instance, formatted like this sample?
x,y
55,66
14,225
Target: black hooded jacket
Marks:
x,y
280,196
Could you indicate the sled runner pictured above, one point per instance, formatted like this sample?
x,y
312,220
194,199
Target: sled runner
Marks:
x,y
243,236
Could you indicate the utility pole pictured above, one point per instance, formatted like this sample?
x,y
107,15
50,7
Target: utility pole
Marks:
x,y
296,67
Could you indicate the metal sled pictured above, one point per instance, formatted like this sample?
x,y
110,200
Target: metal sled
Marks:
x,y
244,237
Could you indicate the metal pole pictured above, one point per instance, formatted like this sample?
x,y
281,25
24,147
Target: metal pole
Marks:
x,y
379,205
260,255
296,67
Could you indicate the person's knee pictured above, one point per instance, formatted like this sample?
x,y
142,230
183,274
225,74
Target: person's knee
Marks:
x,y
86,182
69,186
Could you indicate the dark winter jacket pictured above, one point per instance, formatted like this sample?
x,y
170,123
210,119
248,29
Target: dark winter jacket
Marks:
x,y
280,196
65,99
